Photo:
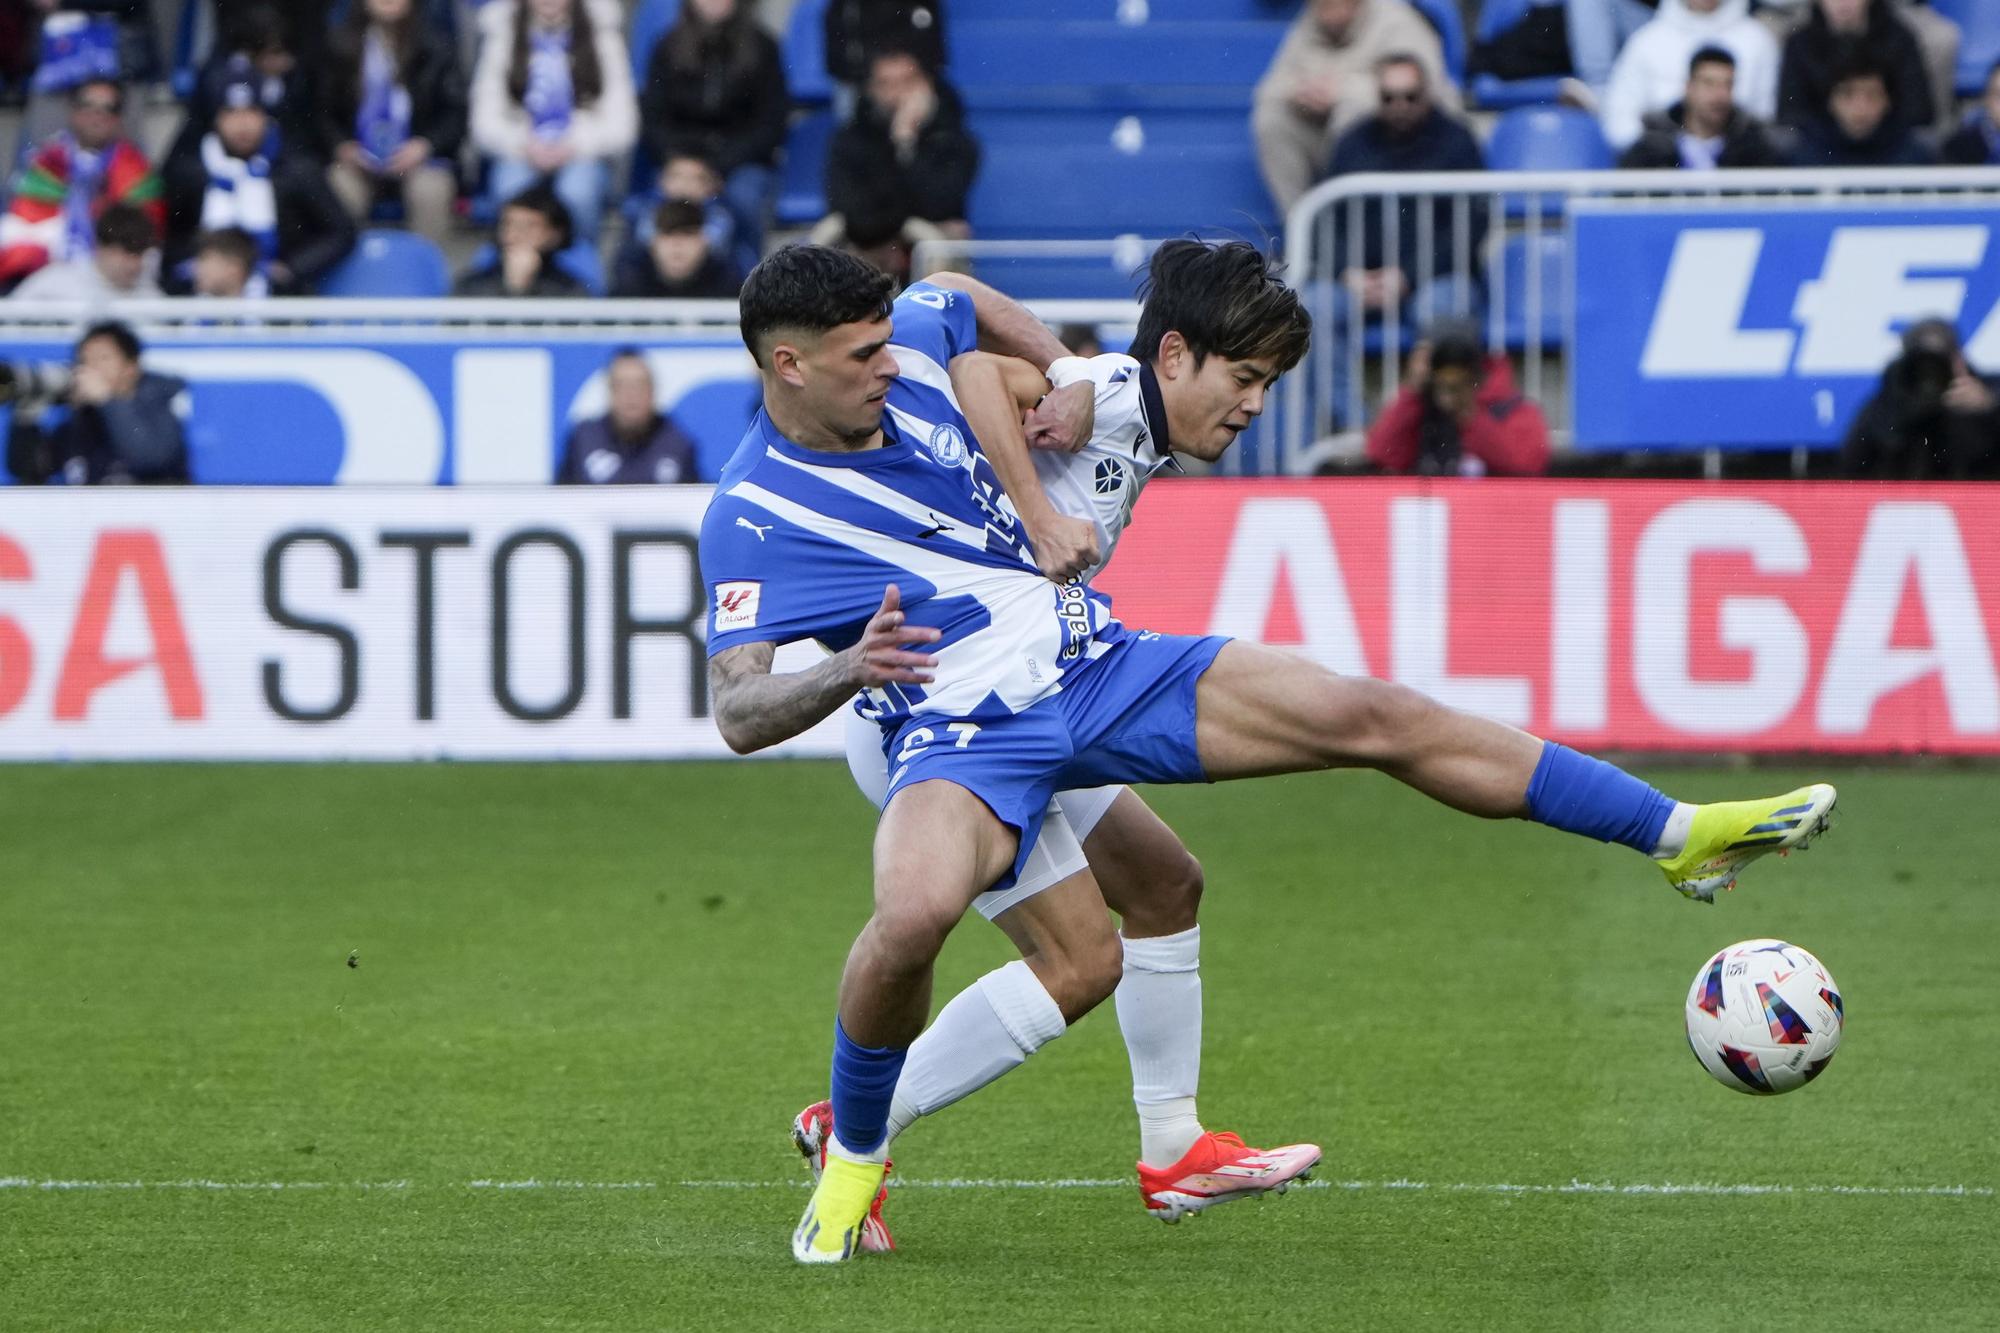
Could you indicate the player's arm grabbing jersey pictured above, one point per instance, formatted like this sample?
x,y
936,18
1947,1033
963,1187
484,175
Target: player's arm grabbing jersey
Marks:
x,y
799,544
1128,447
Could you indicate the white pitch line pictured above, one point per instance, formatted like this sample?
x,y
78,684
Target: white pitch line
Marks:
x,y
1597,1187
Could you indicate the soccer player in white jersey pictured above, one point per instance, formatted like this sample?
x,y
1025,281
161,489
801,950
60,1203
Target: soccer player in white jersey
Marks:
x,y
997,688
1075,504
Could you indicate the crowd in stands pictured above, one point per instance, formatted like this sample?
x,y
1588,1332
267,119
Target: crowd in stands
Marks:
x,y
607,153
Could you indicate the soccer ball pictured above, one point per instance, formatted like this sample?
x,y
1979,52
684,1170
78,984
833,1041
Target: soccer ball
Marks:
x,y
1764,1017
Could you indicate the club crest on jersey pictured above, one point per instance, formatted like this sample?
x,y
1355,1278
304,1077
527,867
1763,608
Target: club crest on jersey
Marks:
x,y
736,604
1109,477
948,445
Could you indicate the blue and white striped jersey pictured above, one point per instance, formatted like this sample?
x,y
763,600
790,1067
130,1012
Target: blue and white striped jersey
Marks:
x,y
800,544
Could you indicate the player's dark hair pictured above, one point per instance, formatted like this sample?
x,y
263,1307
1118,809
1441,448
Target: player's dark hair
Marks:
x,y
810,289
1226,299
1710,55
126,227
120,334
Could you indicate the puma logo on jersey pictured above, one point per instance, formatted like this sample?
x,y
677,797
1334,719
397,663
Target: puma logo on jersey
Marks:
x,y
760,530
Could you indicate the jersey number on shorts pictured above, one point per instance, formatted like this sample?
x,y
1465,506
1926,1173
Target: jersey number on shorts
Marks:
x,y
921,737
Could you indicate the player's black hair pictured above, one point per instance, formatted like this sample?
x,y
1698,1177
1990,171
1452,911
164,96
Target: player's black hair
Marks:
x,y
1226,299
810,289
121,334
1710,55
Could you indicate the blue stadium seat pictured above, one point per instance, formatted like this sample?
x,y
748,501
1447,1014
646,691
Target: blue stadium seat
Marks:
x,y
652,20
1197,65
1495,17
804,49
1978,43
1125,11
1547,138
387,264
802,179
1094,190
999,127
1553,250
1443,16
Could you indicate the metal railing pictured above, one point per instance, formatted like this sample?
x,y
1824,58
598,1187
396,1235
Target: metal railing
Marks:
x,y
1326,230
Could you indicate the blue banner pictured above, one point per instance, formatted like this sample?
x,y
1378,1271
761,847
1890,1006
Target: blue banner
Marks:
x,y
1763,327
352,408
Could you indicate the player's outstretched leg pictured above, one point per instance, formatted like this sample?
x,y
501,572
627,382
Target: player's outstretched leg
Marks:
x,y
936,846
1262,711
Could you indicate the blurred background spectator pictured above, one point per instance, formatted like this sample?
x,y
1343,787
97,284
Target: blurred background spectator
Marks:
x,y
1459,414
309,22
1860,127
123,263
692,179
1323,80
1837,34
256,47
676,261
1651,71
899,171
242,175
552,99
856,29
1597,30
63,43
715,89
1931,416
225,265
73,177
1976,142
1409,132
633,443
1705,129
535,227
395,112
116,422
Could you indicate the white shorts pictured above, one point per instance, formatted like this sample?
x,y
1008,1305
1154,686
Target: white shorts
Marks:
x,y
1057,853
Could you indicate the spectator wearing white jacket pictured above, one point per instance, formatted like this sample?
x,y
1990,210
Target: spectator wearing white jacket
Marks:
x,y
552,99
1651,71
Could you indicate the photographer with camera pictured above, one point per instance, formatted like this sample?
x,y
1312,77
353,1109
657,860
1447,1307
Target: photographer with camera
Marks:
x,y
114,421
1931,419
1459,413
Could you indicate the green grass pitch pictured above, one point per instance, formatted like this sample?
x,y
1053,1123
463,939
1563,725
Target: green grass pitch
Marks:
x,y
591,976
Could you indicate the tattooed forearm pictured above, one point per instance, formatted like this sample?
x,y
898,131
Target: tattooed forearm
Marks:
x,y
755,709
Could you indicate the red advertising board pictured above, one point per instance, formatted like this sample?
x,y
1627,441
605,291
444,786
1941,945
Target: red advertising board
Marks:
x,y
1643,615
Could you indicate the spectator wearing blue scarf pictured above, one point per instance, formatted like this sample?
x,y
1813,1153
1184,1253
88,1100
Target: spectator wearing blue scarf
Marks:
x,y
395,113
1977,142
552,99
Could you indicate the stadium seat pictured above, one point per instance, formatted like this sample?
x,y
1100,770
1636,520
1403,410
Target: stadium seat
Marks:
x,y
1129,12
1547,138
1078,65
802,179
1443,15
389,264
1978,43
1095,189
651,20
1496,17
804,50
1516,280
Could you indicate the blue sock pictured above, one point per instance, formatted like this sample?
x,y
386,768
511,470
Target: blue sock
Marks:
x,y
864,1080
1578,794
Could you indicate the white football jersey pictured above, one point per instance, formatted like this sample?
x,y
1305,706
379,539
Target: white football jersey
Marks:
x,y
1101,481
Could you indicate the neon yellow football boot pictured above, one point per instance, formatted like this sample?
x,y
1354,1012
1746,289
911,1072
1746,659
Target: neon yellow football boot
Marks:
x,y
1729,835
830,1231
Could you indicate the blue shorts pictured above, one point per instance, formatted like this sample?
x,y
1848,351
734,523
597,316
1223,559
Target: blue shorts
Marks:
x,y
1128,716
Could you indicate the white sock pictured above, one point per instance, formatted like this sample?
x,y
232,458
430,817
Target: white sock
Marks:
x,y
988,1028
1159,1011
1674,834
